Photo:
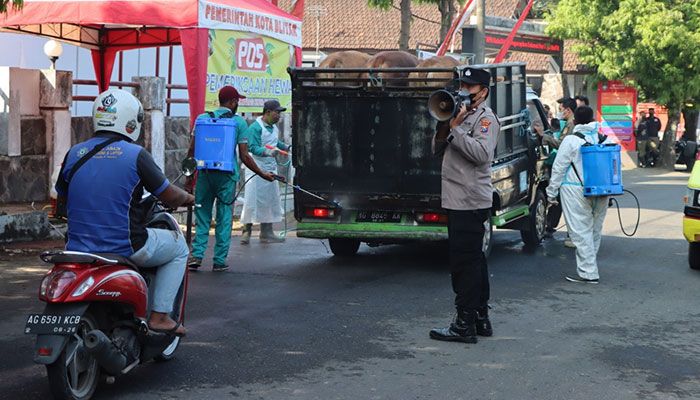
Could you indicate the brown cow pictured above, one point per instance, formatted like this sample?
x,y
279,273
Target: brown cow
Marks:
x,y
434,62
392,59
342,59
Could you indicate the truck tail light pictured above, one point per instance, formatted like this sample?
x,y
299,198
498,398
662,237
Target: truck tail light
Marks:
x,y
431,218
325,213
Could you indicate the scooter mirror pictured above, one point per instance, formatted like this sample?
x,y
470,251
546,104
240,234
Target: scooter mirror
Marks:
x,y
189,166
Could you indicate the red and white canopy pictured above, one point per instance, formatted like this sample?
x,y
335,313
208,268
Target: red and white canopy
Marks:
x,y
109,26
258,16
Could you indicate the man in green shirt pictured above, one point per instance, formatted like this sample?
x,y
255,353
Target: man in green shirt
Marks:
x,y
262,199
220,185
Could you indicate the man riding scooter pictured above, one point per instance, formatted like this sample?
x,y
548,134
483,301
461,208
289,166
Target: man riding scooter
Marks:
x,y
102,182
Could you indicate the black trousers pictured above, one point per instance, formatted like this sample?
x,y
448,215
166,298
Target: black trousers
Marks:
x,y
470,276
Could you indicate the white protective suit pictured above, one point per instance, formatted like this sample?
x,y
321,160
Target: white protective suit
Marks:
x,y
584,215
261,204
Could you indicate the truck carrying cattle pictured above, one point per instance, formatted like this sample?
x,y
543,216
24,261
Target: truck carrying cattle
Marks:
x,y
361,138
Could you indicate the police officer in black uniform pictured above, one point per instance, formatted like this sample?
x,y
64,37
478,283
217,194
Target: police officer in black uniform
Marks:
x,y
467,145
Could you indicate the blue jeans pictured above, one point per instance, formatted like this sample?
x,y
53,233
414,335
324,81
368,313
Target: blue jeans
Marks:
x,y
167,251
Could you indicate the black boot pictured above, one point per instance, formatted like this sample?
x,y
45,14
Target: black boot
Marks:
x,y
463,329
483,325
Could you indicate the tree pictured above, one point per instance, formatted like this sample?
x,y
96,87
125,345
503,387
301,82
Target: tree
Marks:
x,y
16,4
540,8
405,8
447,14
651,44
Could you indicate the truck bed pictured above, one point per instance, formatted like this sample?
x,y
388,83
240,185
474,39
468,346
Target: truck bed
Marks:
x,y
368,146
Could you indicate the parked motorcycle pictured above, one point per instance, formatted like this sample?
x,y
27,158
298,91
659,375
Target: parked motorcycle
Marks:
x,y
95,318
686,152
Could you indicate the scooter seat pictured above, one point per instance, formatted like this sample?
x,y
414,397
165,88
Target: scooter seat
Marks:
x,y
65,256
120,259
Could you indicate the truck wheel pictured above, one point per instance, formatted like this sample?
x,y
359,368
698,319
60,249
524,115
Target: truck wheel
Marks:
x,y
344,247
694,255
537,221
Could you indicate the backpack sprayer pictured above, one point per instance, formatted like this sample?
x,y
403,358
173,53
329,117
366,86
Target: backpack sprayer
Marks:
x,y
215,143
602,173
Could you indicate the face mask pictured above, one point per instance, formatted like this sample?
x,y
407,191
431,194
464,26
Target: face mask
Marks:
x,y
467,98
560,115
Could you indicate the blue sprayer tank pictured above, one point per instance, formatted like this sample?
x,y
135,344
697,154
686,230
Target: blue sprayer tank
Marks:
x,y
215,143
602,173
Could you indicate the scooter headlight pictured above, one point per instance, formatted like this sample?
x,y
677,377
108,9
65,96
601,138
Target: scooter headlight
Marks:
x,y
87,284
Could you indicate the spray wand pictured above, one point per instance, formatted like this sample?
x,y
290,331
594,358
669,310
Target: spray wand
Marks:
x,y
299,188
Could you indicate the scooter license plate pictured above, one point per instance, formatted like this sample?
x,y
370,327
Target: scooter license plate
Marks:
x,y
378,216
42,324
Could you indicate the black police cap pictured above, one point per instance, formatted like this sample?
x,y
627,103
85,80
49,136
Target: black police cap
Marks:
x,y
475,76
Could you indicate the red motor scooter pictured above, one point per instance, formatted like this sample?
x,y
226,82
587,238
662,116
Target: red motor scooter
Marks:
x,y
94,323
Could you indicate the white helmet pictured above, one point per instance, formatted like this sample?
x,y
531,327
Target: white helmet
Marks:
x,y
118,111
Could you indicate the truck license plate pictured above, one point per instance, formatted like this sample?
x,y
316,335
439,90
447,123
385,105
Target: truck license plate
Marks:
x,y
41,324
378,216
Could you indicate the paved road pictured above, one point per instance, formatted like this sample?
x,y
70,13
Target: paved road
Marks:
x,y
291,322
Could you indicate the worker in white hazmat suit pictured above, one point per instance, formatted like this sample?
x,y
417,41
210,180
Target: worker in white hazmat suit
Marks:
x,y
584,215
262,199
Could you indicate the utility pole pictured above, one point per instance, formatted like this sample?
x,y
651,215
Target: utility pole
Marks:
x,y
480,32
318,11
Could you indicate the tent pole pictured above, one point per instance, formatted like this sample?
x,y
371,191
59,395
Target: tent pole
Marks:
x,y
102,70
170,76
158,61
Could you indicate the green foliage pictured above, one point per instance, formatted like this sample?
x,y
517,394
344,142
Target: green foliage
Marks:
x,y
383,4
16,4
541,8
651,44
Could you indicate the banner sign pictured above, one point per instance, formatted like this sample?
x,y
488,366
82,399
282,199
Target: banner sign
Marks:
x,y
616,105
255,65
526,43
219,16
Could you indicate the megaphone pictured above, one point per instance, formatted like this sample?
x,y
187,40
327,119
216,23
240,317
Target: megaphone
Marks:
x,y
443,105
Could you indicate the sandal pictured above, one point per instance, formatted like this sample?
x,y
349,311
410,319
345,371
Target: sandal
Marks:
x,y
171,331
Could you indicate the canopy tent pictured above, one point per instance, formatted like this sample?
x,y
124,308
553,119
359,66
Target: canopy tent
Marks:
x,y
109,26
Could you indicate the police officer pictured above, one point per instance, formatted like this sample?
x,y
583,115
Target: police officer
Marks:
x,y
467,144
